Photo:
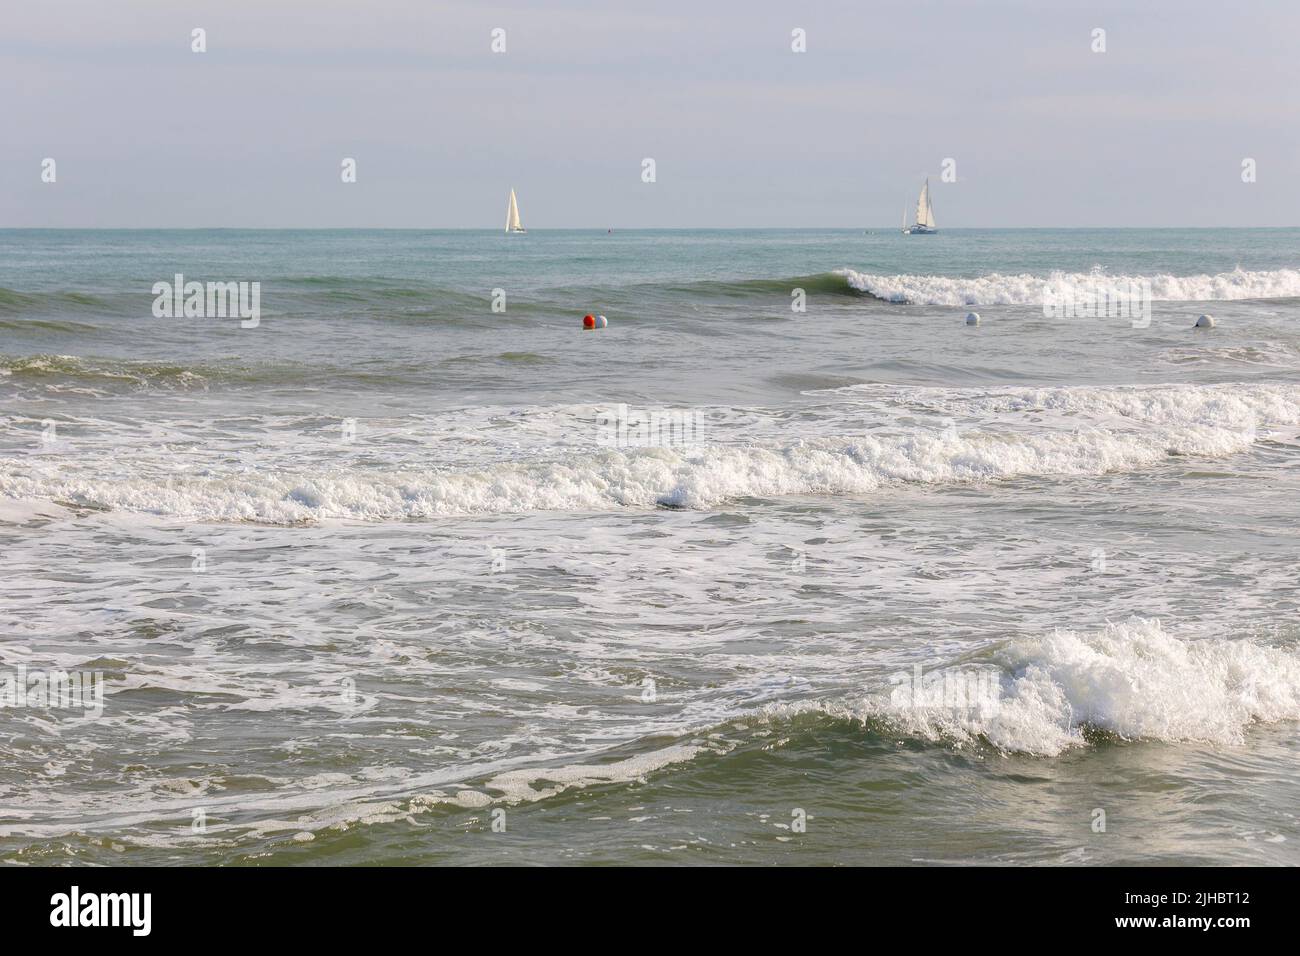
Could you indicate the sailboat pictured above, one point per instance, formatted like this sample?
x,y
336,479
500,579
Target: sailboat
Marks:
x,y
924,224
512,216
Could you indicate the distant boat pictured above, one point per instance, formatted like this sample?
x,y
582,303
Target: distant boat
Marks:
x,y
512,216
924,224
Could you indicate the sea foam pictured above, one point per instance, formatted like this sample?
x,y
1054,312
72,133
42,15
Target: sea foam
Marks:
x,y
1022,432
1026,289
1134,680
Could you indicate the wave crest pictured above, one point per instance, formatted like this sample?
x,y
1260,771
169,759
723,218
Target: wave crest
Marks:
x,y
1132,680
1026,289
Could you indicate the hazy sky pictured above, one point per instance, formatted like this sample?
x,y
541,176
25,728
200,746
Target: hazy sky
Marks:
x,y
744,132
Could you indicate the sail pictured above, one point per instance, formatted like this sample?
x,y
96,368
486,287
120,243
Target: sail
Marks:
x,y
924,210
512,215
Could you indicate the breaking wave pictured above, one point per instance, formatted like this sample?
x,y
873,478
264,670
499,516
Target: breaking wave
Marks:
x,y
1132,680
1018,432
1026,289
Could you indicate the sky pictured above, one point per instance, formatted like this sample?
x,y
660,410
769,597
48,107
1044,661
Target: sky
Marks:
x,y
744,132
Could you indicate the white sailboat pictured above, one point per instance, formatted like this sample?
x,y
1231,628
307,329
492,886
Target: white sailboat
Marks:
x,y
924,224
512,216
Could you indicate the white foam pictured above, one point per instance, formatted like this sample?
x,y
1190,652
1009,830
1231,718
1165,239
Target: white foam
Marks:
x,y
1026,289
1134,680
526,785
1021,432
23,512
1231,406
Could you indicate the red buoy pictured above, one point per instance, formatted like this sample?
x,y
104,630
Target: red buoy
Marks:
x,y
588,321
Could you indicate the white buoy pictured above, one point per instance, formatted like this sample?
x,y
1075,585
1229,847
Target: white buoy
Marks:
x,y
972,318
601,322
1205,322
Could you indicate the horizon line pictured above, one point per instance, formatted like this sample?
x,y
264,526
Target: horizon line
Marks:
x,y
608,229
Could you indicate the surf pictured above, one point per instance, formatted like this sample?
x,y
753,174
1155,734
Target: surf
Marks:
x,y
996,288
1005,434
1133,680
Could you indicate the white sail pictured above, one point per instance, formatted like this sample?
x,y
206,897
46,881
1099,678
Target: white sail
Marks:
x,y
512,215
924,210
924,224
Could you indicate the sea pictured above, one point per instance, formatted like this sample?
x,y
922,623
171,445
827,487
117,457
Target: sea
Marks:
x,y
788,563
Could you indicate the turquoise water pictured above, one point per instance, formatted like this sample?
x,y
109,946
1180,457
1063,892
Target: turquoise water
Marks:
x,y
369,577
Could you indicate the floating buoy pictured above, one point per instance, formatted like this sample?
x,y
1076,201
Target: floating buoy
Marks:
x,y
601,322
588,321
972,318
1205,322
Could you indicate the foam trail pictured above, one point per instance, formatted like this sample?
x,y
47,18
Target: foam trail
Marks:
x,y
1027,289
1216,406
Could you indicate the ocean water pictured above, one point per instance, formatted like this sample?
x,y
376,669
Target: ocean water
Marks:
x,y
393,577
